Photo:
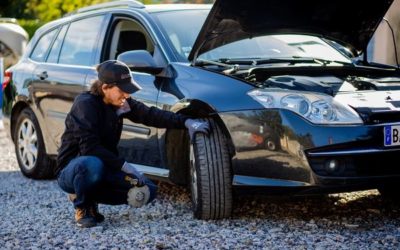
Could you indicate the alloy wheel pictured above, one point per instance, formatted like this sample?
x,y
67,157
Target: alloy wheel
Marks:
x,y
27,144
270,145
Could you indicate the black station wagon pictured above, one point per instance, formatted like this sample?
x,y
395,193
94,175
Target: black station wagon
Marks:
x,y
293,103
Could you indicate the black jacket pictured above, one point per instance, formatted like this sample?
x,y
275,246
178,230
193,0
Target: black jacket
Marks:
x,y
94,128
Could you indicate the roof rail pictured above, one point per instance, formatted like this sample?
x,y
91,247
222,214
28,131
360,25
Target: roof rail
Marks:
x,y
125,3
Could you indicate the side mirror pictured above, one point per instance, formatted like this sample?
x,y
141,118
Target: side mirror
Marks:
x,y
140,60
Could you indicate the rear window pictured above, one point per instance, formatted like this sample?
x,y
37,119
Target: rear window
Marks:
x,y
55,50
42,46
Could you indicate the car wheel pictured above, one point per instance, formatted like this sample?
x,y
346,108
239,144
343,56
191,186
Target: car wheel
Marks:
x,y
210,175
270,144
29,147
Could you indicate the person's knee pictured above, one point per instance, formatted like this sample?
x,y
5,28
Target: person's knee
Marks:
x,y
93,170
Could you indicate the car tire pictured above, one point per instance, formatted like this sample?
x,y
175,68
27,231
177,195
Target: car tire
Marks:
x,y
270,144
29,147
210,175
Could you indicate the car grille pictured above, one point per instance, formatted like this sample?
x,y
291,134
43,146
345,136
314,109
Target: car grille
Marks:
x,y
377,117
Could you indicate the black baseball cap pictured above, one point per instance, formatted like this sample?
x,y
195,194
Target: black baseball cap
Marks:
x,y
118,73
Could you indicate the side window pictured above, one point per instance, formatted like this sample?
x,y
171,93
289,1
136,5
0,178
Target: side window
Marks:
x,y
129,35
80,41
39,53
55,50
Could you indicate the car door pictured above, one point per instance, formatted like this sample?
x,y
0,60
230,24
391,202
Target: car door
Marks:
x,y
62,76
139,143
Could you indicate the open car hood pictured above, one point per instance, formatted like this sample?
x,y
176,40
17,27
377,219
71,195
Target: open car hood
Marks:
x,y
349,22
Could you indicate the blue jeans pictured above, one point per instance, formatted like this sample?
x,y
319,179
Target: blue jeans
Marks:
x,y
92,182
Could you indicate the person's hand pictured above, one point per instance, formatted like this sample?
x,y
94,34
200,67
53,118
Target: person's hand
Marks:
x,y
130,169
125,108
197,126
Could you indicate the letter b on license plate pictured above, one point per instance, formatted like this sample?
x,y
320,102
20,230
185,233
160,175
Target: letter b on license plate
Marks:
x,y
392,135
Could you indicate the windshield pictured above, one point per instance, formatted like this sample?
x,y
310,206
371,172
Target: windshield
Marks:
x,y
182,27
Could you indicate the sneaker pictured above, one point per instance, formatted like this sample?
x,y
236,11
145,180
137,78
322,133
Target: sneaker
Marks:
x,y
84,218
94,211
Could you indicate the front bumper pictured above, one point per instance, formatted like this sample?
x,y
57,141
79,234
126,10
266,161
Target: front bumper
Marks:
x,y
305,152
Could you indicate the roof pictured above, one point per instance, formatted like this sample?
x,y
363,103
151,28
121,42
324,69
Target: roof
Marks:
x,y
172,7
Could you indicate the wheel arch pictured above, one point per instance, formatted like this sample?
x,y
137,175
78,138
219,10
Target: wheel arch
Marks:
x,y
42,166
177,140
17,109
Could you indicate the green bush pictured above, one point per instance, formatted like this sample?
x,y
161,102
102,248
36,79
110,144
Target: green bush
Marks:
x,y
30,25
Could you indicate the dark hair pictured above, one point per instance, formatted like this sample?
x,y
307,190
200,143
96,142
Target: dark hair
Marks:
x,y
96,87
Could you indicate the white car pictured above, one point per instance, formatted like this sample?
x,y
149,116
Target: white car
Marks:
x,y
13,41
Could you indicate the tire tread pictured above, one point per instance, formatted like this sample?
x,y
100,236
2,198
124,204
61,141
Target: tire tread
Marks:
x,y
214,175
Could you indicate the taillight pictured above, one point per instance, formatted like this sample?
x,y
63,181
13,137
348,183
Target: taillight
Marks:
x,y
7,78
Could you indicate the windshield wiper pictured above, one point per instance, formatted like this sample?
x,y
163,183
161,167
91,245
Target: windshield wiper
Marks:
x,y
231,68
289,60
232,65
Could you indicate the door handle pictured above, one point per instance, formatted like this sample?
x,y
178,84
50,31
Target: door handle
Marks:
x,y
42,75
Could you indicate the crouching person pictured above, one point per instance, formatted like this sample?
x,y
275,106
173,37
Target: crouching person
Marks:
x,y
88,165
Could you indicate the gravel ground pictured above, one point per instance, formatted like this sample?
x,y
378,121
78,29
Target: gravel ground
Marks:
x,y
36,215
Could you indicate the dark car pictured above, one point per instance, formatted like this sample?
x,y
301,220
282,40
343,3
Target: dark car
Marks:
x,y
273,68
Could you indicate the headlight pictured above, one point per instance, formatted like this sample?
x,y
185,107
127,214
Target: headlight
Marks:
x,y
315,107
296,103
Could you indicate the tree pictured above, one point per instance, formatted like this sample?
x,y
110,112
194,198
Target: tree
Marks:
x,y
14,8
47,10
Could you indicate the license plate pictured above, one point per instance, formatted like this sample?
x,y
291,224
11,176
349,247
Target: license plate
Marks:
x,y
392,136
